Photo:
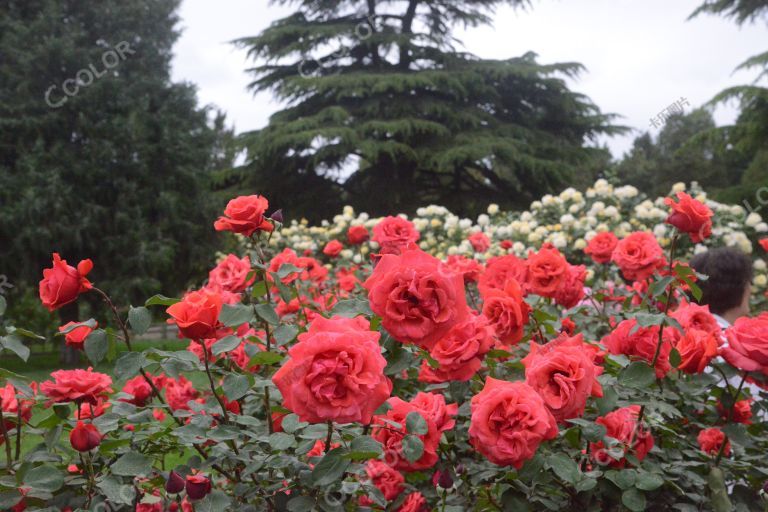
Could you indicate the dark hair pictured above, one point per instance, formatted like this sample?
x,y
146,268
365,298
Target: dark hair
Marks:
x,y
730,273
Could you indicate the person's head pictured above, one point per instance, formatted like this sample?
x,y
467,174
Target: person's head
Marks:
x,y
728,288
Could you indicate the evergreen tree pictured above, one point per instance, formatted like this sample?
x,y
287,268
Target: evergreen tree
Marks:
x,y
387,113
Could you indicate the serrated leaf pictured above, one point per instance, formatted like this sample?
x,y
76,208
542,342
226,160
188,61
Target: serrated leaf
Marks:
x,y
235,386
284,334
95,346
161,300
140,319
413,448
331,468
638,374
225,344
131,464
235,315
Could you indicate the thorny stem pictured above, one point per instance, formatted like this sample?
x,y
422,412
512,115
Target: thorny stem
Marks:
x,y
213,385
329,437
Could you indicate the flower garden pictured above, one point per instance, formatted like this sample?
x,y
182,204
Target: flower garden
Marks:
x,y
551,359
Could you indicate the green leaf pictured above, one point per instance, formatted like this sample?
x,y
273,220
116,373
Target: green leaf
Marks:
x,y
45,478
280,441
330,469
287,269
132,464
301,504
649,481
284,334
140,319
267,358
117,492
3,305
15,345
363,448
719,495
235,386
351,308
564,467
215,501
633,499
88,323
225,344
638,374
161,300
235,315
413,448
96,346
416,424
267,313
674,358
129,364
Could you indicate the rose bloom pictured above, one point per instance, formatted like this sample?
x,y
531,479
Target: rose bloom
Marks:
x,y
418,299
571,291
564,373
62,283
547,269
693,316
391,438
386,479
469,268
433,406
86,410
287,256
690,216
506,311
357,235
711,439
641,344
77,386
332,248
460,353
179,392
139,390
231,274
245,215
601,246
85,437
197,314
638,255
742,411
335,372
622,425
509,421
10,404
499,271
414,502
747,347
393,234
76,337
696,348
480,241
763,243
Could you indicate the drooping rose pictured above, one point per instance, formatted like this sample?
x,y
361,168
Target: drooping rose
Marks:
x,y
85,437
547,269
638,255
75,338
459,353
394,234
197,314
231,274
690,216
641,344
499,271
62,283
335,372
696,348
506,311
711,439
600,247
245,215
391,438
479,241
77,386
747,347
418,299
632,437
332,248
357,235
385,478
564,373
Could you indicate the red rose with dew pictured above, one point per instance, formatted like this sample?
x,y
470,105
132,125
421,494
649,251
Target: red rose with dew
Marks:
x,y
418,299
638,255
640,344
394,234
62,283
75,337
506,312
697,348
459,353
479,241
690,216
600,247
631,437
245,215
711,440
77,386
357,235
547,270
747,347
332,248
335,372
509,422
197,314
232,274
391,438
564,373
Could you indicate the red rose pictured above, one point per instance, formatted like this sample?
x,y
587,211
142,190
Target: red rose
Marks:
x,y
333,248
179,392
506,244
245,215
638,255
175,483
547,269
394,234
509,421
139,390
690,216
391,438
434,407
469,268
622,426
385,478
85,437
506,312
479,241
197,314
641,344
601,246
763,243
571,290
414,502
231,274
335,372
711,439
747,347
499,271
77,386
693,316
357,235
696,348
418,298
460,353
76,337
742,411
86,410
197,487
62,283
564,373
9,403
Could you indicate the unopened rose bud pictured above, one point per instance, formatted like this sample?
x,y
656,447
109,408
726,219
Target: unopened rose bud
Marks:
x,y
446,480
459,469
197,487
175,483
277,216
84,437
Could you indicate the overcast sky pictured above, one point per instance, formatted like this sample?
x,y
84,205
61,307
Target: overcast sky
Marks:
x,y
640,55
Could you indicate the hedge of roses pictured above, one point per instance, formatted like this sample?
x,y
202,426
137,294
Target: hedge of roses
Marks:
x,y
547,360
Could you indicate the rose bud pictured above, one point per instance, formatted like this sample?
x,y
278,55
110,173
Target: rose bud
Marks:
x,y
277,216
84,437
445,480
175,483
459,469
197,486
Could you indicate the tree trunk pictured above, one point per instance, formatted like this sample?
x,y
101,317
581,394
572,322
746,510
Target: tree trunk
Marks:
x,y
69,356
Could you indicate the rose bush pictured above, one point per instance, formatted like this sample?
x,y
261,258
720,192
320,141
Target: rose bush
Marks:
x,y
545,360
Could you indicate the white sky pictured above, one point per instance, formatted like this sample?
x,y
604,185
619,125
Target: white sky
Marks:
x,y
640,55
